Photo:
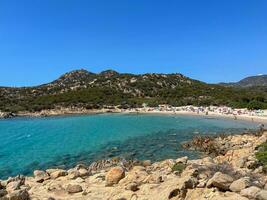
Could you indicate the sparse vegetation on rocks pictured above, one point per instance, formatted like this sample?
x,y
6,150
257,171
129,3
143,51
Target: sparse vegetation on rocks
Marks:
x,y
261,155
178,167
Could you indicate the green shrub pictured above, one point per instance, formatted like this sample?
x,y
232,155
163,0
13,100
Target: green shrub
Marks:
x,y
254,104
261,155
178,167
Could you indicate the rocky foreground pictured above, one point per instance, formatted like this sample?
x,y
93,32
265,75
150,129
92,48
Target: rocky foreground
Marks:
x,y
235,174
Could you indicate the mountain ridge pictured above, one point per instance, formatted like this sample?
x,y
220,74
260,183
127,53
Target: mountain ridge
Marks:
x,y
83,73
250,81
81,88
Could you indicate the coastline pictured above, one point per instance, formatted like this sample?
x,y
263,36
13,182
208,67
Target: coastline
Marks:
x,y
180,178
235,173
66,112
256,119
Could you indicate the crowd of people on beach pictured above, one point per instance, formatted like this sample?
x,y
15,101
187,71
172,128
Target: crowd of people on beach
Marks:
x,y
220,110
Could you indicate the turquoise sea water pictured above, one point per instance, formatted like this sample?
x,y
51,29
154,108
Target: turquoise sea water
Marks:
x,y
39,143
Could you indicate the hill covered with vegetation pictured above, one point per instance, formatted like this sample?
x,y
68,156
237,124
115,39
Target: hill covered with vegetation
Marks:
x,y
81,88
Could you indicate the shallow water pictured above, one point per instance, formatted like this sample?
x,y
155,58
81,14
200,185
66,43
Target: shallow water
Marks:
x,y
39,143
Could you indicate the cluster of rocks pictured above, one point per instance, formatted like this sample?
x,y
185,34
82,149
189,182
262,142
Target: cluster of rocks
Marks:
x,y
219,144
7,115
14,189
225,177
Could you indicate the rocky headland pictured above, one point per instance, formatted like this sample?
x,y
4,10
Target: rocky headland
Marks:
x,y
232,173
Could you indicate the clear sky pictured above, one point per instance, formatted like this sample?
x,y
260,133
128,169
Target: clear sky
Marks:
x,y
209,40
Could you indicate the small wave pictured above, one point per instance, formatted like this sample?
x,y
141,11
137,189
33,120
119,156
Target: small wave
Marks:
x,y
23,137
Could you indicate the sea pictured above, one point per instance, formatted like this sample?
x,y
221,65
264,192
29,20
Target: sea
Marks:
x,y
29,143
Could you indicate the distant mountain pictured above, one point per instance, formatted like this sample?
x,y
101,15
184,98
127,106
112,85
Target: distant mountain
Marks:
x,y
251,81
80,88
260,80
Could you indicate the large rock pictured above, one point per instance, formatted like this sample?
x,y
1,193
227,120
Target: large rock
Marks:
x,y
137,175
73,173
262,195
233,157
152,178
14,185
210,194
83,172
240,184
20,179
58,173
3,184
74,189
40,176
50,171
250,192
19,195
79,180
114,175
221,181
78,172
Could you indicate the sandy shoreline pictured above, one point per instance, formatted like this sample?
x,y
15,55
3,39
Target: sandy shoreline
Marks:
x,y
66,112
256,119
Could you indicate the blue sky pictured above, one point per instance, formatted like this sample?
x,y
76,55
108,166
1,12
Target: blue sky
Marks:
x,y
209,40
